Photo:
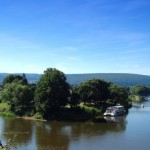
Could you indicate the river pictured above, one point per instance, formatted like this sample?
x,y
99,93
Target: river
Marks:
x,y
119,133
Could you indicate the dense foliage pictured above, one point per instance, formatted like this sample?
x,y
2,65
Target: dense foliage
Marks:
x,y
74,99
15,78
18,96
53,97
94,90
52,91
118,94
140,90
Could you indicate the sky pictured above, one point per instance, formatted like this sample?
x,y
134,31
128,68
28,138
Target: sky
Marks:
x,y
75,36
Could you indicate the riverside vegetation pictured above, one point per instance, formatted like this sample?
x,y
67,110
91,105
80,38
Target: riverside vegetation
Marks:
x,y
52,98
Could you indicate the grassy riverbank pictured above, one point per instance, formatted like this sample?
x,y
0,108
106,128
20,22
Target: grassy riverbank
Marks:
x,y
136,98
83,112
4,107
5,110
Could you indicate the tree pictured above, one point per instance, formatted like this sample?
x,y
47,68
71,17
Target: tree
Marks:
x,y
18,96
118,94
52,91
140,90
15,78
74,99
94,90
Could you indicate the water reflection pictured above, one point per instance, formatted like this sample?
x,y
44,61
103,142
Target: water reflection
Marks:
x,y
50,136
120,132
33,135
18,128
59,135
92,129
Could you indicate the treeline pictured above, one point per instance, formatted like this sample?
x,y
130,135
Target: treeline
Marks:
x,y
52,93
140,90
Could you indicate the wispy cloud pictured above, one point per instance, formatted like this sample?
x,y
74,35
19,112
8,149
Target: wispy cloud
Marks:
x,y
72,58
134,51
62,50
15,42
69,48
135,68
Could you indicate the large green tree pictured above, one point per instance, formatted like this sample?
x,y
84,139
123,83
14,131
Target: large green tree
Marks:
x,y
20,97
74,99
118,94
52,91
94,90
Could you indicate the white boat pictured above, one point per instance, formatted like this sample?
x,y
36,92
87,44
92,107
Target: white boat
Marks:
x,y
115,111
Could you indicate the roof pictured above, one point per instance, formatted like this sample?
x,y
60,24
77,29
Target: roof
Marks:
x,y
115,107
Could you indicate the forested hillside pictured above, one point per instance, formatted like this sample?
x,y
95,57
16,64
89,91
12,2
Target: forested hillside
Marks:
x,y
116,78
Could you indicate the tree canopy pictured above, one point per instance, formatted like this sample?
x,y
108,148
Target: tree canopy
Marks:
x,y
94,90
74,99
140,90
15,78
18,96
52,91
118,94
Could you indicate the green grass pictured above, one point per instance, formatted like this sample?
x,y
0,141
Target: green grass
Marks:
x,y
4,107
136,98
38,116
91,109
7,114
4,110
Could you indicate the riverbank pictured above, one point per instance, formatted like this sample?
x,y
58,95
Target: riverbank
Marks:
x,y
31,118
81,113
136,98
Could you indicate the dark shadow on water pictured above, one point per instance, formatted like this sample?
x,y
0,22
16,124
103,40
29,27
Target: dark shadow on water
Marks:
x,y
50,136
18,128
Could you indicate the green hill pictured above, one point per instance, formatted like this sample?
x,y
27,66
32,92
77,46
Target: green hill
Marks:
x,y
116,78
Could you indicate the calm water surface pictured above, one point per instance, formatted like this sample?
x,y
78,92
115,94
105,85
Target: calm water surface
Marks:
x,y
121,133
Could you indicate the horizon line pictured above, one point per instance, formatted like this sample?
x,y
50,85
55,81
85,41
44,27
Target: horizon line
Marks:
x,y
76,73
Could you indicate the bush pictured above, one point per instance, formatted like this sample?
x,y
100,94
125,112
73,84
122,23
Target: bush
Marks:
x,y
7,114
38,116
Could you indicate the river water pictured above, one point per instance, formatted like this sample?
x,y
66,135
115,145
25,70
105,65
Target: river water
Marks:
x,y
130,132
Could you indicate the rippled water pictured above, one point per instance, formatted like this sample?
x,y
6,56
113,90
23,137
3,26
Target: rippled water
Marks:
x,y
120,133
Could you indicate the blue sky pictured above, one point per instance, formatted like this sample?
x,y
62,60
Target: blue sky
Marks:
x,y
75,36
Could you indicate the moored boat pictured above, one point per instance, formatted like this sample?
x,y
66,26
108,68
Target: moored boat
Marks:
x,y
115,111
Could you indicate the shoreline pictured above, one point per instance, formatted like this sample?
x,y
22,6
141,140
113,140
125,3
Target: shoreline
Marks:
x,y
31,118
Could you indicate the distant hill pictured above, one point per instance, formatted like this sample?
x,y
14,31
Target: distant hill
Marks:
x,y
116,78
